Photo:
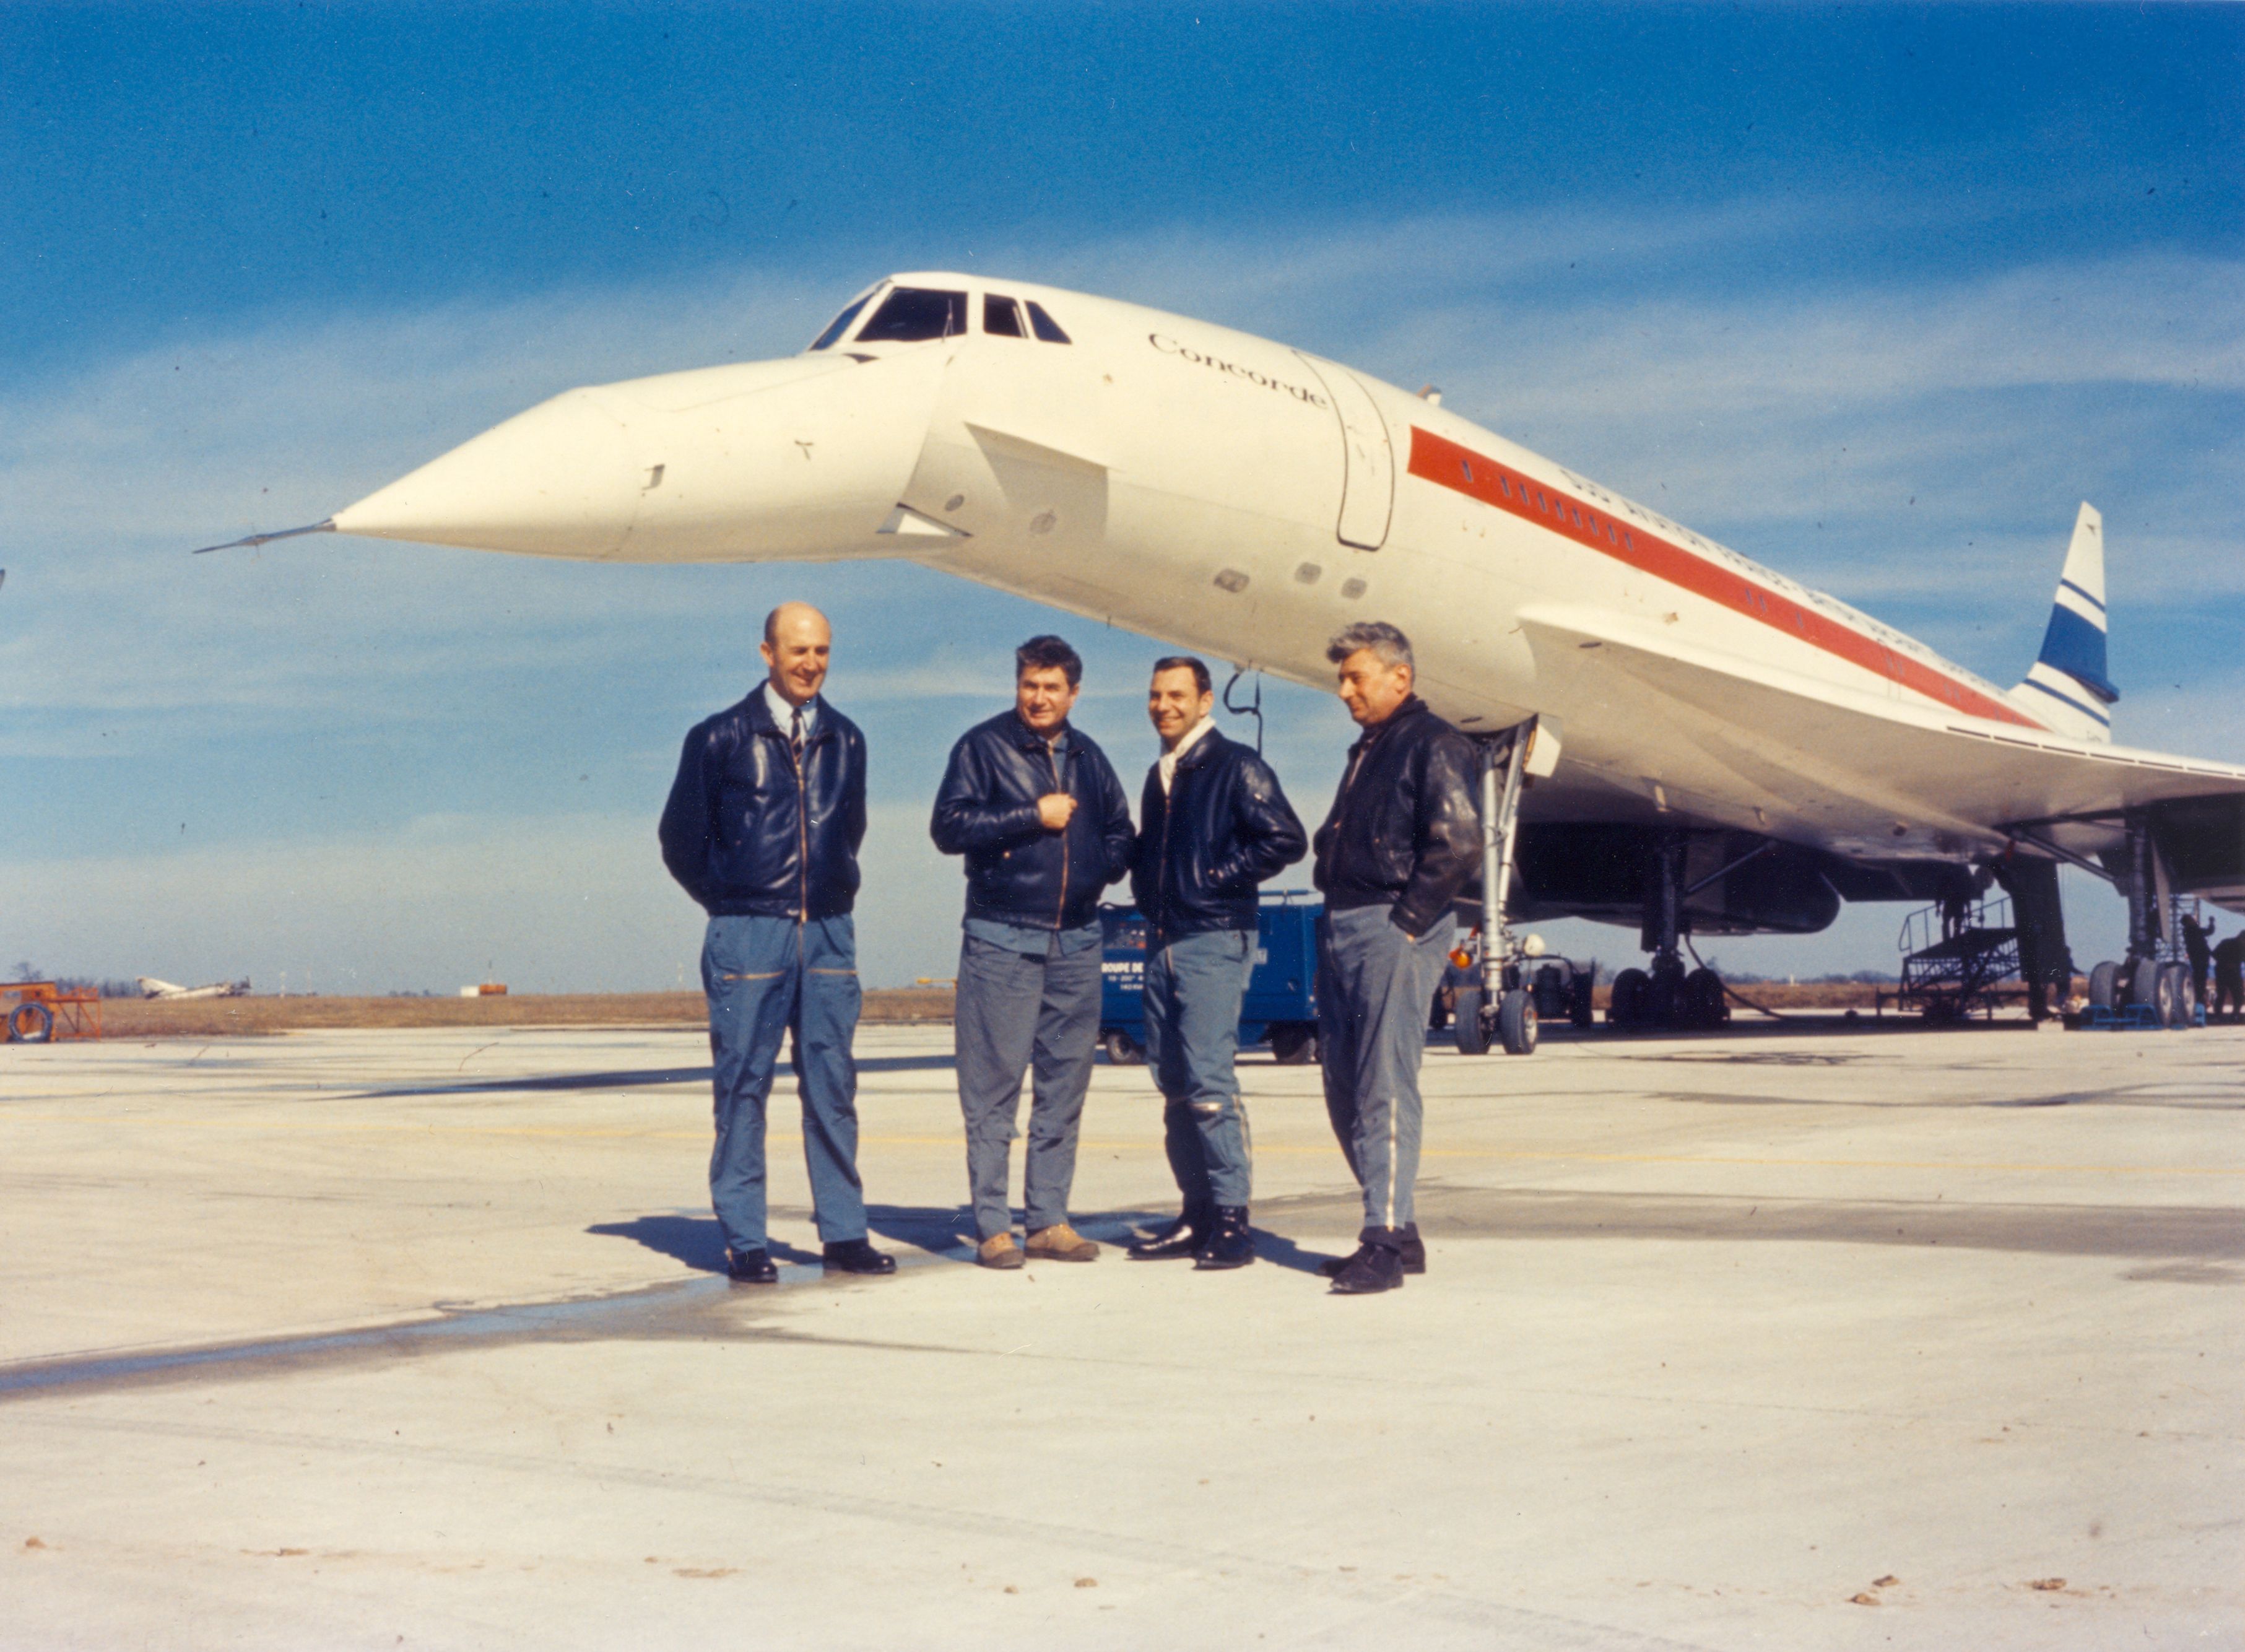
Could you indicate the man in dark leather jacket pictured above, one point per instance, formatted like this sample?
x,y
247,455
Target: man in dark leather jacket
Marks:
x,y
763,828
1403,839
1213,824
1034,807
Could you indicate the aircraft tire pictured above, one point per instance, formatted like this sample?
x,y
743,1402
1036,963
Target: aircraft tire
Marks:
x,y
1472,1027
31,1023
1705,1005
1121,1049
1293,1043
1627,1005
2173,995
1517,1022
2105,986
2144,983
2186,995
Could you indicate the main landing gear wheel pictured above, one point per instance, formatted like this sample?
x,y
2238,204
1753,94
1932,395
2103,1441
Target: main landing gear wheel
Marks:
x,y
2172,995
2105,986
2186,995
1626,1007
1516,1022
1472,1027
2144,985
1705,1005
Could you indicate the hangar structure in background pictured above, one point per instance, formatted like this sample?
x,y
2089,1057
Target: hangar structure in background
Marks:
x,y
1676,738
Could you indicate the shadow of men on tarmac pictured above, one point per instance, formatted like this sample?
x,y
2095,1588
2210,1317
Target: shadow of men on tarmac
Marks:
x,y
696,1242
939,1230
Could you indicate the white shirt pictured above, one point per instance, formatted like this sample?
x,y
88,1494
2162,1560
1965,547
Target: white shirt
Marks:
x,y
1167,765
784,714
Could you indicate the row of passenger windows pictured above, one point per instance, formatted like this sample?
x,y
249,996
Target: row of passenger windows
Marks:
x,y
913,314
1803,599
1566,512
1553,505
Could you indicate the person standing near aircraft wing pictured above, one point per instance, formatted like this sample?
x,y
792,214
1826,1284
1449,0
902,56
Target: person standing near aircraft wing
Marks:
x,y
1213,825
2197,938
1402,839
1035,806
2230,977
763,828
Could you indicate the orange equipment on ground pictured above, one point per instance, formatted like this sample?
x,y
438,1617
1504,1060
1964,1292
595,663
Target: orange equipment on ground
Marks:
x,y
41,1012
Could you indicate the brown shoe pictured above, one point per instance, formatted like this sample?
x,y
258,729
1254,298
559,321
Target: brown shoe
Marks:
x,y
999,1251
1061,1243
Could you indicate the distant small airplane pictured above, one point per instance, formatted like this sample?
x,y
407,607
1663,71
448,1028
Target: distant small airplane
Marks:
x,y
1678,739
151,987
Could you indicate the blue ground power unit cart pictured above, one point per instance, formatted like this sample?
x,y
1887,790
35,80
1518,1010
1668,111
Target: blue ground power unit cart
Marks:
x,y
1281,1007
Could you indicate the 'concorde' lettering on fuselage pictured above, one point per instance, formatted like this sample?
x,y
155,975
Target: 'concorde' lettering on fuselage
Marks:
x,y
1170,346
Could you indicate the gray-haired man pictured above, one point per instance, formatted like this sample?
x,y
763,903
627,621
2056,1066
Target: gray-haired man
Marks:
x,y
1402,839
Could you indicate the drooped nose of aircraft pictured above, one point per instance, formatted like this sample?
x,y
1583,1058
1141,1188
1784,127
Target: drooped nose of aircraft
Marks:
x,y
554,481
799,457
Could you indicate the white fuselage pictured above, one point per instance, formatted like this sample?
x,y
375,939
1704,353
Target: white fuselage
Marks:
x,y
1230,495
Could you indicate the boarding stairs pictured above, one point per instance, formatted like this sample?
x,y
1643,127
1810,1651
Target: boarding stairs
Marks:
x,y
1957,957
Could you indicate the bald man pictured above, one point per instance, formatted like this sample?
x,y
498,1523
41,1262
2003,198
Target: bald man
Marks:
x,y
763,829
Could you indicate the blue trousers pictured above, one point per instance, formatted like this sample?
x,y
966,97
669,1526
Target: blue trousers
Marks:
x,y
1015,1010
1374,984
1193,988
766,977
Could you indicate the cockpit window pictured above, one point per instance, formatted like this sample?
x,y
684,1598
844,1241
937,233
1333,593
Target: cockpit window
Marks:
x,y
1048,329
911,313
840,324
1001,317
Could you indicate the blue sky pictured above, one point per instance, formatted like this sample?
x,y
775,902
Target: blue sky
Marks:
x,y
1876,295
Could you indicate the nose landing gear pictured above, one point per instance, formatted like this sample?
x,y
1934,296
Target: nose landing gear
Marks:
x,y
1513,987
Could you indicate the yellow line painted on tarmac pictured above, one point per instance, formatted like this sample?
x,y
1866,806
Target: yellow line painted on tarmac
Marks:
x,y
1264,1149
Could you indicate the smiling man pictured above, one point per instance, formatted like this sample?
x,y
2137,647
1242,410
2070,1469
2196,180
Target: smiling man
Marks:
x,y
1214,825
1402,840
763,829
1037,809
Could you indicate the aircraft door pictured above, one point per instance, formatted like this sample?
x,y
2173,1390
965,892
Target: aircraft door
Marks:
x,y
1367,490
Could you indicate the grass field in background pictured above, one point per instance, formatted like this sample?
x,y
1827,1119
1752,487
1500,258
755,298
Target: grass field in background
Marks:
x,y
223,1017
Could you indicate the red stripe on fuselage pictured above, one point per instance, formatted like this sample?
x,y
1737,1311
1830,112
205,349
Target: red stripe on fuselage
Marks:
x,y
1433,458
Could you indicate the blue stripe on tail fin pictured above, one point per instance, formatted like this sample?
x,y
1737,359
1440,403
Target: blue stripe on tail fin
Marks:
x,y
2076,647
2067,688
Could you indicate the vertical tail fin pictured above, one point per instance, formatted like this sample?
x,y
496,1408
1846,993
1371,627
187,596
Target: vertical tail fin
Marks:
x,y
2066,687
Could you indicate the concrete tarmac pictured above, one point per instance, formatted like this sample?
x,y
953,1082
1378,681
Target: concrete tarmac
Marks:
x,y
1789,1338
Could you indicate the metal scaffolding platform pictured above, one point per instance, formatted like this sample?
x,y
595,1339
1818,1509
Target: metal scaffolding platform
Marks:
x,y
1958,958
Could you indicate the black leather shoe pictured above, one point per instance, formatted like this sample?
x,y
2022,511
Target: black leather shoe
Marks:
x,y
1377,1266
1182,1237
750,1267
856,1256
1231,1244
1413,1252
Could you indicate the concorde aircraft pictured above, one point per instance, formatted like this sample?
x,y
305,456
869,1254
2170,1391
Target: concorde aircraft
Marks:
x,y
1678,737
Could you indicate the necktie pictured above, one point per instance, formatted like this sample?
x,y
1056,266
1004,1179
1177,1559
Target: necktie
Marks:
x,y
795,731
